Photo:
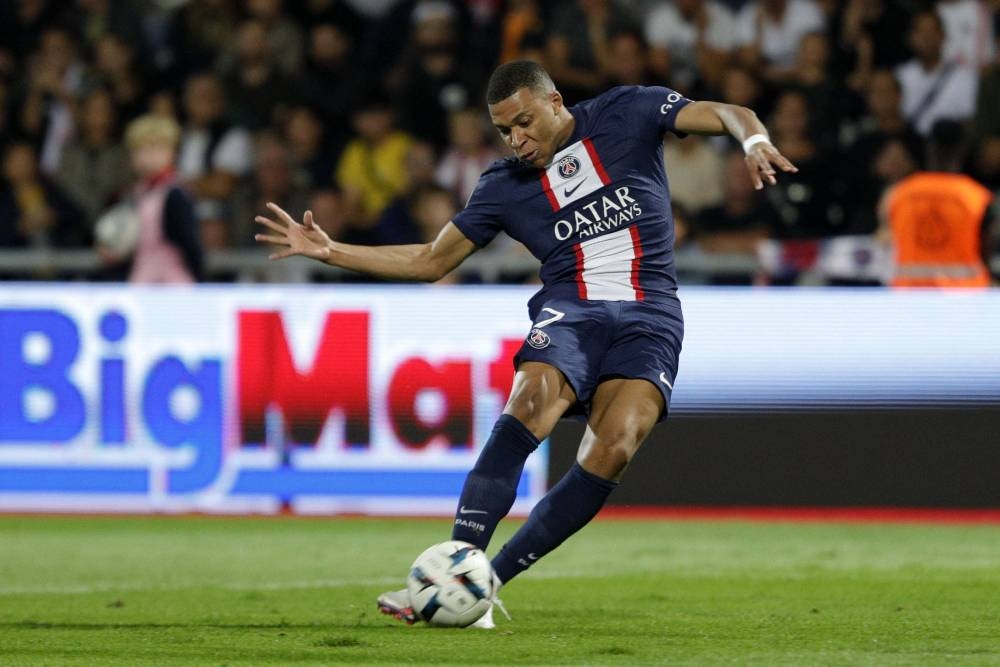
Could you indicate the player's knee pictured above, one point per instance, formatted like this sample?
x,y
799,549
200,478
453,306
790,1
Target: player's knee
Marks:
x,y
531,403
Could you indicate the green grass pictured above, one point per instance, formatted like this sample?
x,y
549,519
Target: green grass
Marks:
x,y
214,591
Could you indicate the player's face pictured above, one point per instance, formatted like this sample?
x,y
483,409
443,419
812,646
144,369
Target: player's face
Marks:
x,y
530,124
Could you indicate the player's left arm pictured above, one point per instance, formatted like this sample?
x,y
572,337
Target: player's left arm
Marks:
x,y
717,118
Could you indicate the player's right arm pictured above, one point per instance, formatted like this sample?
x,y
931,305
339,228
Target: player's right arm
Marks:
x,y
426,262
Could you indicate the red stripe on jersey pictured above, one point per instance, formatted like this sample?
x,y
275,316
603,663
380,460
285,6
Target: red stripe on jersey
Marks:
x,y
547,187
581,286
637,250
596,159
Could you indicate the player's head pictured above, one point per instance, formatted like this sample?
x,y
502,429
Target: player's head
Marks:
x,y
528,111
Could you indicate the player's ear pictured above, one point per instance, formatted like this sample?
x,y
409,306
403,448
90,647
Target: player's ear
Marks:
x,y
556,98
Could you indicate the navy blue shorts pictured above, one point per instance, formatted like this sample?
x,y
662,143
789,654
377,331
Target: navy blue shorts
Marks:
x,y
592,341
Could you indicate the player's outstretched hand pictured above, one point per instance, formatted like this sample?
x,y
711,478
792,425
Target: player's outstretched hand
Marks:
x,y
762,160
305,239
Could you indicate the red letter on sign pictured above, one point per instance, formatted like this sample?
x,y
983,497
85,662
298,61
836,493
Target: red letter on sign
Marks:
x,y
502,368
337,380
452,381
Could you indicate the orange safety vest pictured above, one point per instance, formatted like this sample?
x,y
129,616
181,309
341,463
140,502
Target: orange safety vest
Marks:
x,y
936,220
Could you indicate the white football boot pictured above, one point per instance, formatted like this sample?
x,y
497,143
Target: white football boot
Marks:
x,y
485,621
397,604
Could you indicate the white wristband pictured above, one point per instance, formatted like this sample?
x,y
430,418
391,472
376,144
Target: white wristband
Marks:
x,y
753,140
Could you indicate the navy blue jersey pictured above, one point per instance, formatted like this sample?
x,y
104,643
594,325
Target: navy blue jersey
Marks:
x,y
598,217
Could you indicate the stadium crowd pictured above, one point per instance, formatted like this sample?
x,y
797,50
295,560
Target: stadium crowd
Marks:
x,y
370,112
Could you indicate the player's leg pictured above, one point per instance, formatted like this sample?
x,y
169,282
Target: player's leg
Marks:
x,y
539,396
623,412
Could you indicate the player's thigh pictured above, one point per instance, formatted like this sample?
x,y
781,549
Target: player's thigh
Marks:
x,y
622,414
539,396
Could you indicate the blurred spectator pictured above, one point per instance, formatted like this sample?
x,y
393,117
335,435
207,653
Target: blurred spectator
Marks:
x,y
397,223
254,87
372,169
329,212
213,153
831,103
283,35
768,34
985,135
21,24
331,81
311,156
870,36
883,123
33,211
578,57
432,207
969,33
101,18
469,152
691,40
695,171
741,219
435,81
934,88
271,181
522,25
938,220
629,65
804,202
336,12
116,69
94,166
167,249
200,31
55,75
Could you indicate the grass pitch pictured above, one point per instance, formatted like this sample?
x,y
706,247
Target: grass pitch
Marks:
x,y
215,591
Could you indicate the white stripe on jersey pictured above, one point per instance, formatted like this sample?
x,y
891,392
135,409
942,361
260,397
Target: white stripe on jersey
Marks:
x,y
608,267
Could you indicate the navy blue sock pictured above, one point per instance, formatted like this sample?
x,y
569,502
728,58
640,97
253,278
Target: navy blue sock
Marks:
x,y
491,485
565,509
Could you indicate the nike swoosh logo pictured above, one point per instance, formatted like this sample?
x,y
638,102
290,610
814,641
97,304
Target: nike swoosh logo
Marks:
x,y
568,192
462,510
664,380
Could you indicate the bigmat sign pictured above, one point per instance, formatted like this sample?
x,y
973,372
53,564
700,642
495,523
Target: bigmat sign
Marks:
x,y
334,399
253,399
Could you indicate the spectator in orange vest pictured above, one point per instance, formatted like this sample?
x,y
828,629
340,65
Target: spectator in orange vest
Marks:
x,y
938,220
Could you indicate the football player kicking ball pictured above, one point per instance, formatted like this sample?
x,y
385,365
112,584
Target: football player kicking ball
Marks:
x,y
586,193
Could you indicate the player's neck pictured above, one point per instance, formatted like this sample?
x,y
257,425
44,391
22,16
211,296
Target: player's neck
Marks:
x,y
568,124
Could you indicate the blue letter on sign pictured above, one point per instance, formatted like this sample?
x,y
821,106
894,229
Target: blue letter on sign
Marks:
x,y
57,342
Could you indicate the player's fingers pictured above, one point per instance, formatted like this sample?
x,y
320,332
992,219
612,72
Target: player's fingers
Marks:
x,y
307,220
271,238
755,177
280,212
271,224
282,254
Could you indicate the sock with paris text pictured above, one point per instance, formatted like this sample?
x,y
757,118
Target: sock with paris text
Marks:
x,y
565,509
491,486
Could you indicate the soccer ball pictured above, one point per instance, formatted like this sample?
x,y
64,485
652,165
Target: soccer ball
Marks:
x,y
451,584
117,230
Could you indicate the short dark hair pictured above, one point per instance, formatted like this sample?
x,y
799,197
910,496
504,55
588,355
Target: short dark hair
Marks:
x,y
510,77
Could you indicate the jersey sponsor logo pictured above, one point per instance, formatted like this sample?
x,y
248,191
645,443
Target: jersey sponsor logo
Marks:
x,y
568,166
599,215
538,339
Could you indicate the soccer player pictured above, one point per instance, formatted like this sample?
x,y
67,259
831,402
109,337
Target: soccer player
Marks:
x,y
587,194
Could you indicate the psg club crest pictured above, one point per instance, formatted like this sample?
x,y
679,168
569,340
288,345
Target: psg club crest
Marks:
x,y
568,166
538,339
